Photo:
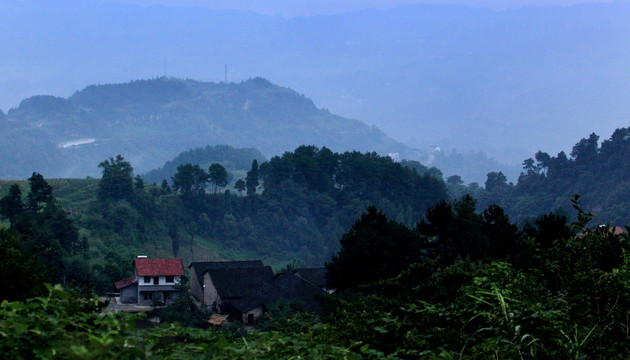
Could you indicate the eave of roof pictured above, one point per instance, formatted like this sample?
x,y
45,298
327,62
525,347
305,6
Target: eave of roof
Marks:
x,y
121,284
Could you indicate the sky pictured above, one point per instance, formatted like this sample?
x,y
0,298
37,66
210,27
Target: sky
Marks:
x,y
290,8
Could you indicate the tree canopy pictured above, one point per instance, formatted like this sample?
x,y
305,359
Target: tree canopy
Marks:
x,y
600,173
117,180
373,249
218,176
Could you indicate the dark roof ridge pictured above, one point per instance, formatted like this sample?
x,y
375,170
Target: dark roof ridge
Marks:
x,y
252,263
314,275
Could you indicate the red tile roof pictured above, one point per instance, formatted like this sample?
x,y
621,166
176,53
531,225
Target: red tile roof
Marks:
x,y
156,267
125,282
617,230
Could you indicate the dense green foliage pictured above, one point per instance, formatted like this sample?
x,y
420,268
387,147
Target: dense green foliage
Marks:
x,y
298,207
570,301
566,298
599,173
308,197
374,249
456,284
43,243
69,326
116,182
23,275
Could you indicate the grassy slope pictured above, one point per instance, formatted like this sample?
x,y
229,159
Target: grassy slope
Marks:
x,y
77,195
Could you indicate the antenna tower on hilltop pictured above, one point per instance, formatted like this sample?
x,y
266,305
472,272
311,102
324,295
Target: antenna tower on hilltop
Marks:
x,y
226,73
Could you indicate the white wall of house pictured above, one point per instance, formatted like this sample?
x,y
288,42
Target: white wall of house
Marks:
x,y
144,286
161,280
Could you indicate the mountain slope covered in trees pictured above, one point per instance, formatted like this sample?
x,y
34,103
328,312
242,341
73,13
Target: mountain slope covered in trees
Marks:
x,y
460,285
231,158
151,121
295,207
598,172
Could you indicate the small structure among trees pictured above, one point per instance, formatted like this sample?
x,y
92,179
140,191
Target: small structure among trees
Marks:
x,y
244,289
153,281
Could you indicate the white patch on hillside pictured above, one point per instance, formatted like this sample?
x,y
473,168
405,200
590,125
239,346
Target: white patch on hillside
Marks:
x,y
75,143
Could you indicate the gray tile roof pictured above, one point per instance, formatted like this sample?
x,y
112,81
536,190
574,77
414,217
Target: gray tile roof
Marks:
x,y
243,287
201,267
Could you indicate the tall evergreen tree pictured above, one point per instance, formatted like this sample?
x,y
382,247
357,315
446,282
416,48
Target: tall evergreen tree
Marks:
x,y
240,185
41,192
375,248
23,276
11,205
251,180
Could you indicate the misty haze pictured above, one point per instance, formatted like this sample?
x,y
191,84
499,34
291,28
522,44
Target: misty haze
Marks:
x,y
315,179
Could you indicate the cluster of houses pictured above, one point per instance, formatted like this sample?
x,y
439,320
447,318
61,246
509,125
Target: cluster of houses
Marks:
x,y
240,289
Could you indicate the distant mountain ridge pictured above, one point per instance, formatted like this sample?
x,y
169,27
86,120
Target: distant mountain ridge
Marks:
x,y
151,121
503,82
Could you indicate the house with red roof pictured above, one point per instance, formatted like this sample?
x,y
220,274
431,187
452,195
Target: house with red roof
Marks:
x,y
154,280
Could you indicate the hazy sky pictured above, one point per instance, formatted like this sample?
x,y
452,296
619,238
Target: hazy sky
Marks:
x,y
317,7
445,80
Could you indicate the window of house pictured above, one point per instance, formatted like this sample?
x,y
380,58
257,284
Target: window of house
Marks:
x,y
156,280
147,279
147,295
170,279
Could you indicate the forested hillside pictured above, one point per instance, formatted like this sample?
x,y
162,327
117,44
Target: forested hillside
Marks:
x,y
461,284
231,158
151,121
599,173
291,207
456,282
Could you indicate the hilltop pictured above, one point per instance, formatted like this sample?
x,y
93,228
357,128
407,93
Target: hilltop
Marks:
x,y
151,121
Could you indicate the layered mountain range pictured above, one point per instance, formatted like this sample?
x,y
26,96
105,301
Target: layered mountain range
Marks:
x,y
504,82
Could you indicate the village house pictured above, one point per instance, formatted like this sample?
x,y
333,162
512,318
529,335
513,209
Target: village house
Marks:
x,y
153,281
306,285
237,288
197,269
244,289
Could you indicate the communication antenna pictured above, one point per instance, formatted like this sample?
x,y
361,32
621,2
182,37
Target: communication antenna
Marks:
x,y
226,73
165,67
